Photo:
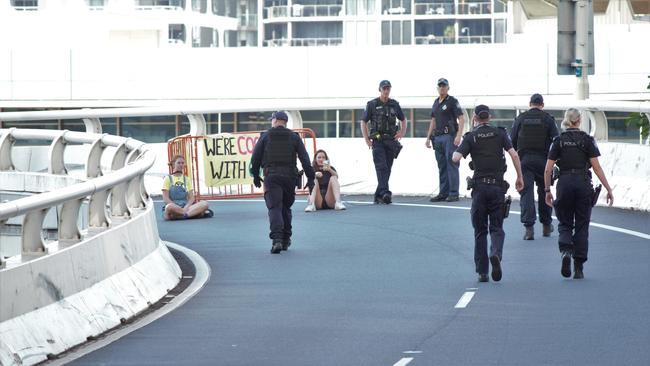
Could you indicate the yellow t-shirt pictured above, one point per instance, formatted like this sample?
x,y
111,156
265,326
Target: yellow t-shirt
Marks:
x,y
178,181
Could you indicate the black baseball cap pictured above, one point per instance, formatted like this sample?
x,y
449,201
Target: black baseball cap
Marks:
x,y
443,81
536,99
384,83
482,111
279,115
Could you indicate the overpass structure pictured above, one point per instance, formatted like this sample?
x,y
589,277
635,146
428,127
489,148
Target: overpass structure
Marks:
x,y
108,263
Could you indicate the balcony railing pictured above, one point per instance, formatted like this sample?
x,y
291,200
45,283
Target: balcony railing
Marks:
x,y
431,39
310,42
276,42
474,39
249,20
434,8
299,10
475,8
26,8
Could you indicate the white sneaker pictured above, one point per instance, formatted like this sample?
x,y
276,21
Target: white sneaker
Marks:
x,y
310,208
339,206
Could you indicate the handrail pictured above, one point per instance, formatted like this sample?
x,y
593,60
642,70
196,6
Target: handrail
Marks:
x,y
124,184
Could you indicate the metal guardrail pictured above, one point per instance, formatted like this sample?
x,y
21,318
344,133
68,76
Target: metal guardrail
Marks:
x,y
124,185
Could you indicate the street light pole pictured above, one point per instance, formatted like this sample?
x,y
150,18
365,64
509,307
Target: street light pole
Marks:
x,y
582,49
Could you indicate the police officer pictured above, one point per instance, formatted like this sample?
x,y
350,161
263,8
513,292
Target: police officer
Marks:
x,y
382,136
575,152
445,130
276,152
532,133
486,145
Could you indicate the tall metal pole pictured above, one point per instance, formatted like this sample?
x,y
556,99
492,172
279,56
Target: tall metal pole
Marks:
x,y
582,49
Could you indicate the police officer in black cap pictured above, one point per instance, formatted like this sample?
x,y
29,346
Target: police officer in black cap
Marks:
x,y
445,130
532,133
276,152
575,152
383,136
486,145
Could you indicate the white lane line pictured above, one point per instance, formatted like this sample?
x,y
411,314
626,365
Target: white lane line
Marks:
x,y
404,361
411,352
464,300
594,224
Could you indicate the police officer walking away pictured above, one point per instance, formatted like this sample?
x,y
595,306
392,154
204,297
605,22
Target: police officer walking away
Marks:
x,y
382,137
532,134
276,152
445,130
486,145
575,152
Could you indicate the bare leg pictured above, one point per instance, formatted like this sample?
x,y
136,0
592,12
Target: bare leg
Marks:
x,y
173,211
330,196
318,199
197,209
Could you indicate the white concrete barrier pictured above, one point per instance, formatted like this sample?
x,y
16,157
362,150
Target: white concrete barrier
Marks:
x,y
415,172
58,300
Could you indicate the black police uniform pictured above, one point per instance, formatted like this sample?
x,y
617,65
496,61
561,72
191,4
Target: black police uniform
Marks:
x,y
276,152
572,151
486,145
383,127
532,134
446,114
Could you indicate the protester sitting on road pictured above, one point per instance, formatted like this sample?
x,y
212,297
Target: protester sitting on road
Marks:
x,y
327,191
178,195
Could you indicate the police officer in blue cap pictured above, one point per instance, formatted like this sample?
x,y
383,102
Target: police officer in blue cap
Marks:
x,y
486,145
532,133
382,134
445,130
575,152
275,152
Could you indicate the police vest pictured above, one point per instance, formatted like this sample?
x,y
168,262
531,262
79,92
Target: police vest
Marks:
x,y
532,132
487,152
573,151
279,151
383,117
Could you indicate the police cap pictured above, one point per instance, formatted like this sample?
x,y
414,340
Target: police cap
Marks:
x,y
482,111
383,84
443,82
279,115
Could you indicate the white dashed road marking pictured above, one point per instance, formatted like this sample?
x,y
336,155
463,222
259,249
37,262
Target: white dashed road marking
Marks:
x,y
464,300
404,361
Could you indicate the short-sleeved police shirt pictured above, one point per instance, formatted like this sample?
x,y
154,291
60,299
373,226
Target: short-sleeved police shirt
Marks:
x,y
589,145
376,104
469,143
446,113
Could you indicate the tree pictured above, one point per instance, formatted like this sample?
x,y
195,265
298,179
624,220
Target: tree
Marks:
x,y
640,120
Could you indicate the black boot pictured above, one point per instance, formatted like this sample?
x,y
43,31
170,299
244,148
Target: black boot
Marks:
x,y
286,244
276,247
577,271
566,264
530,233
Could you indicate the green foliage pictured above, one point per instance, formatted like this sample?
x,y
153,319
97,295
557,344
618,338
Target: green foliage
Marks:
x,y
640,120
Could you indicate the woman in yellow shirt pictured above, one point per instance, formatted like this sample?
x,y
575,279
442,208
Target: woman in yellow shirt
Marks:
x,y
178,195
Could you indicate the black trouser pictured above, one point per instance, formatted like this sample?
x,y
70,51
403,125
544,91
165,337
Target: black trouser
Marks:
x,y
279,196
532,166
382,156
487,205
573,210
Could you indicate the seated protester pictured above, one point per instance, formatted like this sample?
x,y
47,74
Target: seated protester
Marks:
x,y
179,196
327,191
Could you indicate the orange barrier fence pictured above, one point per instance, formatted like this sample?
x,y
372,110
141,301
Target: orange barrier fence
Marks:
x,y
193,149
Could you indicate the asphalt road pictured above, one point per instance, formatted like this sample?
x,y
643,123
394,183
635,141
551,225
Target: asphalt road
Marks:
x,y
381,285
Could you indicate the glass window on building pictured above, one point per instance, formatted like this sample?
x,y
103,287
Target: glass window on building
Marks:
x,y
317,34
618,130
434,7
275,35
396,32
435,32
500,6
275,9
95,2
499,31
421,122
322,122
358,113
395,7
474,7
474,31
346,123
200,6
24,3
317,8
151,129
177,33
253,121
360,7
225,8
227,122
500,117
